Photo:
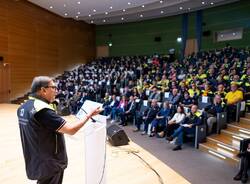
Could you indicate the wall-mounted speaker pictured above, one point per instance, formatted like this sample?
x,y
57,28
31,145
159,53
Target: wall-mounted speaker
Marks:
x,y
206,33
157,39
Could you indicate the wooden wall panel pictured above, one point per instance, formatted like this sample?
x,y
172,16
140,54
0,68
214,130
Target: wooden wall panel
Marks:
x,y
37,42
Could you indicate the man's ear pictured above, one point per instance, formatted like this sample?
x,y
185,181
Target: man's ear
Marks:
x,y
43,90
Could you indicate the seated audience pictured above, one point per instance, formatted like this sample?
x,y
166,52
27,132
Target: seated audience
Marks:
x,y
160,120
113,103
148,116
187,126
129,111
154,95
232,98
212,111
186,101
174,123
116,111
174,97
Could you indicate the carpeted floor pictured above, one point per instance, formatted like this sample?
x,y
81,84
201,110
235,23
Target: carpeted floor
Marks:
x,y
196,166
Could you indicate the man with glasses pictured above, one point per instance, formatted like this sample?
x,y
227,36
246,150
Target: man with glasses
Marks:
x,y
42,130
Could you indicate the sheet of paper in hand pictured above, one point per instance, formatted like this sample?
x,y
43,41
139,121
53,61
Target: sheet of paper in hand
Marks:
x,y
87,107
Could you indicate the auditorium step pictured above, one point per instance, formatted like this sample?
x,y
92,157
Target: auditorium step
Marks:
x,y
247,115
227,144
220,152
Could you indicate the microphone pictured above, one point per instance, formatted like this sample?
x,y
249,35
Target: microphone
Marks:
x,y
90,117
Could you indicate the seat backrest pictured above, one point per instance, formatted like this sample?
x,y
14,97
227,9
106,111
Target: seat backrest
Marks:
x,y
203,102
143,106
166,96
221,120
240,109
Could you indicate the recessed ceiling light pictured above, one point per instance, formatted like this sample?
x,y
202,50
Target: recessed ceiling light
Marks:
x,y
91,21
110,7
122,18
179,39
104,20
181,8
123,10
162,12
161,1
94,10
141,15
64,5
65,14
78,2
78,13
212,3
129,3
142,6
106,13
202,2
89,15
51,7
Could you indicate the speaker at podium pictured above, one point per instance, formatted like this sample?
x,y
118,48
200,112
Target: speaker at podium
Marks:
x,y
117,136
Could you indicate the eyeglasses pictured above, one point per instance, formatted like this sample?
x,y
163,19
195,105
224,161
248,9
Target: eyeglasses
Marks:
x,y
53,87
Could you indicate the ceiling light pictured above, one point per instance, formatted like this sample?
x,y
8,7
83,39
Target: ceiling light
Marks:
x,y
64,5
221,35
181,8
189,9
123,10
234,34
110,7
77,16
202,2
129,3
65,14
104,20
91,21
212,3
94,10
161,1
142,6
179,39
78,13
51,7
78,2
89,15
122,18
162,12
106,13
141,15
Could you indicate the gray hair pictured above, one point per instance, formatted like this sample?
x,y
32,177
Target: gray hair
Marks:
x,y
39,82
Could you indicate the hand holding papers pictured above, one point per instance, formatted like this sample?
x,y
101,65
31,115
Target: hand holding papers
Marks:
x,y
89,109
186,125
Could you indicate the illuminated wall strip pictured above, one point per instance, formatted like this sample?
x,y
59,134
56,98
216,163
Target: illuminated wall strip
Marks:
x,y
244,131
236,137
223,146
217,154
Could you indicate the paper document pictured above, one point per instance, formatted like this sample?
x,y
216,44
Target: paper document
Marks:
x,y
88,106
